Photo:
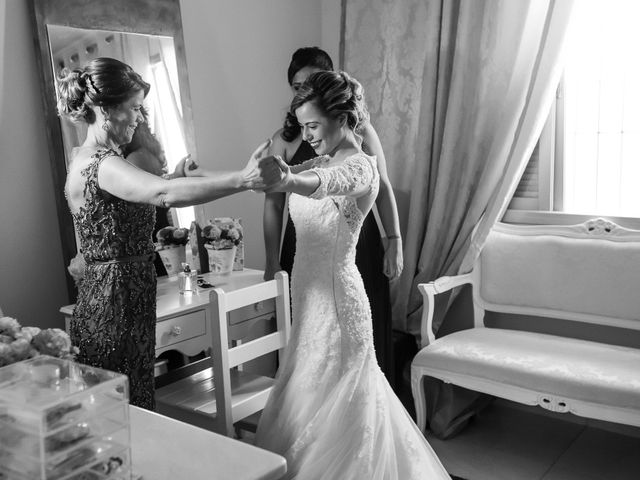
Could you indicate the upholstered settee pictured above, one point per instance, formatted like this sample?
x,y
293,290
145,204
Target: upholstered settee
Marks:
x,y
587,273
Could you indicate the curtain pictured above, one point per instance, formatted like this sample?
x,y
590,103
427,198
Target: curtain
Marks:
x,y
154,58
458,91
169,127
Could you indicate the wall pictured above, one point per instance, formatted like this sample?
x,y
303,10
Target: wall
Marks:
x,y
32,274
237,54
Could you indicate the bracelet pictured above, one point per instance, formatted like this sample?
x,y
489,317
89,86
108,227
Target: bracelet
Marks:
x,y
392,237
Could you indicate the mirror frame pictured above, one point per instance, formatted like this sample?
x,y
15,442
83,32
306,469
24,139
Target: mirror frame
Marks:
x,y
150,17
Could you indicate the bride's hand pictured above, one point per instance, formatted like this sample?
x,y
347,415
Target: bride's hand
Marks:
x,y
276,174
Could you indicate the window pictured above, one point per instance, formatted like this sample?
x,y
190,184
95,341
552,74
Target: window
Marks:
x,y
165,107
587,161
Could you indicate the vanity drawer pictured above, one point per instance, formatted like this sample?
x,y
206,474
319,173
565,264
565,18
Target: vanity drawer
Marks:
x,y
178,329
251,311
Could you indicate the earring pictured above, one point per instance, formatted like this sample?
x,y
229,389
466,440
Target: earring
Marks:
x,y
106,126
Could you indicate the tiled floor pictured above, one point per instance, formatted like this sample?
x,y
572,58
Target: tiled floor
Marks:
x,y
511,442
507,441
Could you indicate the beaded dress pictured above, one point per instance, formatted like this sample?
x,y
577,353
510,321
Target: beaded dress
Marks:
x,y
114,318
332,414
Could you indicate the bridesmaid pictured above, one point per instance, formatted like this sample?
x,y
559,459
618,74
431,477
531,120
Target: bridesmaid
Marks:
x,y
378,259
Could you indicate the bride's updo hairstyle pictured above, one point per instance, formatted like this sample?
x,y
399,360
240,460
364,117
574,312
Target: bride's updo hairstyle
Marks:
x,y
103,82
334,93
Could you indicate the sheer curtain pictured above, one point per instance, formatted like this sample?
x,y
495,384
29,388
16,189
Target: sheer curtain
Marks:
x,y
458,91
167,116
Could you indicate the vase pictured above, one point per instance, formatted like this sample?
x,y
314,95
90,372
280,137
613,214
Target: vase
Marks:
x,y
221,261
173,257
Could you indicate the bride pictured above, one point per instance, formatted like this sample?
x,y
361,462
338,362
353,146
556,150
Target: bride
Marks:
x,y
332,413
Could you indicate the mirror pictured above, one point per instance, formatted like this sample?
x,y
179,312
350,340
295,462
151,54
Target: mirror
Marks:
x,y
146,34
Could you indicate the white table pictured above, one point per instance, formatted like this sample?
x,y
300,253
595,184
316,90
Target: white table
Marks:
x,y
166,449
182,319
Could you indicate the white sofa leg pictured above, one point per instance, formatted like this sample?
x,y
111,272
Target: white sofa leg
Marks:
x,y
417,388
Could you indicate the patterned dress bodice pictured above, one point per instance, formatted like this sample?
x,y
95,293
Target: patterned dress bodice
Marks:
x,y
325,277
114,318
328,222
109,227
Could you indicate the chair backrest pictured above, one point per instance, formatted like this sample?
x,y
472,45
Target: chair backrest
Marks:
x,y
587,272
224,357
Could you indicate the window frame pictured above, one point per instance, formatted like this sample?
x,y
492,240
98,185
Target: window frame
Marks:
x,y
550,180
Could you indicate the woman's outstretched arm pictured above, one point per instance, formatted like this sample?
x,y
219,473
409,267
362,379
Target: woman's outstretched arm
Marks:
x,y
123,180
353,178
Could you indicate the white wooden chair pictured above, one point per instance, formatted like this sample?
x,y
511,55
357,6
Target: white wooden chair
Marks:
x,y
220,395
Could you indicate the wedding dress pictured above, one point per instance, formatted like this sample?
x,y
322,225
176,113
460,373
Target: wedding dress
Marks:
x,y
332,413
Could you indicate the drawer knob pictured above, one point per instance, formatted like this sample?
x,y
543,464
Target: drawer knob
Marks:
x,y
176,330
258,306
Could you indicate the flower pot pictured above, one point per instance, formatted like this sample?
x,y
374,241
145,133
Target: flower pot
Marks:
x,y
221,261
172,257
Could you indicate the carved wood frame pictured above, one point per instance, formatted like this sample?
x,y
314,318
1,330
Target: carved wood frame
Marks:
x,y
151,17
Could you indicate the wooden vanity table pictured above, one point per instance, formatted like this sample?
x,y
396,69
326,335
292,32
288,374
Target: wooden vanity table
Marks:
x,y
182,320
165,448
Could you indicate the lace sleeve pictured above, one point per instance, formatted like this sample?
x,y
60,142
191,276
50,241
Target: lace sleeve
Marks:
x,y
354,176
309,164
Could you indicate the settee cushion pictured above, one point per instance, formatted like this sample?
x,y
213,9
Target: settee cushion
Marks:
x,y
564,367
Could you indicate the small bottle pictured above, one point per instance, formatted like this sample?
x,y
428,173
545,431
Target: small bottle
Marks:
x,y
187,254
195,248
187,280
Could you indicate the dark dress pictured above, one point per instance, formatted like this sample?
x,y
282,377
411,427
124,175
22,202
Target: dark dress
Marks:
x,y
114,318
369,260
162,220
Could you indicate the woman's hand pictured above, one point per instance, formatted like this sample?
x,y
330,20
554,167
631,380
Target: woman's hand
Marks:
x,y
270,271
393,258
251,174
179,171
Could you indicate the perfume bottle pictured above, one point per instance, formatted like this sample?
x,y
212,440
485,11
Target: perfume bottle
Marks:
x,y
187,280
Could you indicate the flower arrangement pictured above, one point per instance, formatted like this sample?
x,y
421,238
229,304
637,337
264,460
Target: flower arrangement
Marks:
x,y
222,233
20,343
76,267
169,236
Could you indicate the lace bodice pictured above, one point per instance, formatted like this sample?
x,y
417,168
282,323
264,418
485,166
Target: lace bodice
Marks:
x,y
328,221
109,227
327,227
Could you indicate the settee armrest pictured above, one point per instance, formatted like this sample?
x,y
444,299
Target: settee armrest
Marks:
x,y
429,291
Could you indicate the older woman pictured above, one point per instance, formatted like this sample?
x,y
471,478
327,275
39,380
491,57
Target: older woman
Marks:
x,y
113,207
